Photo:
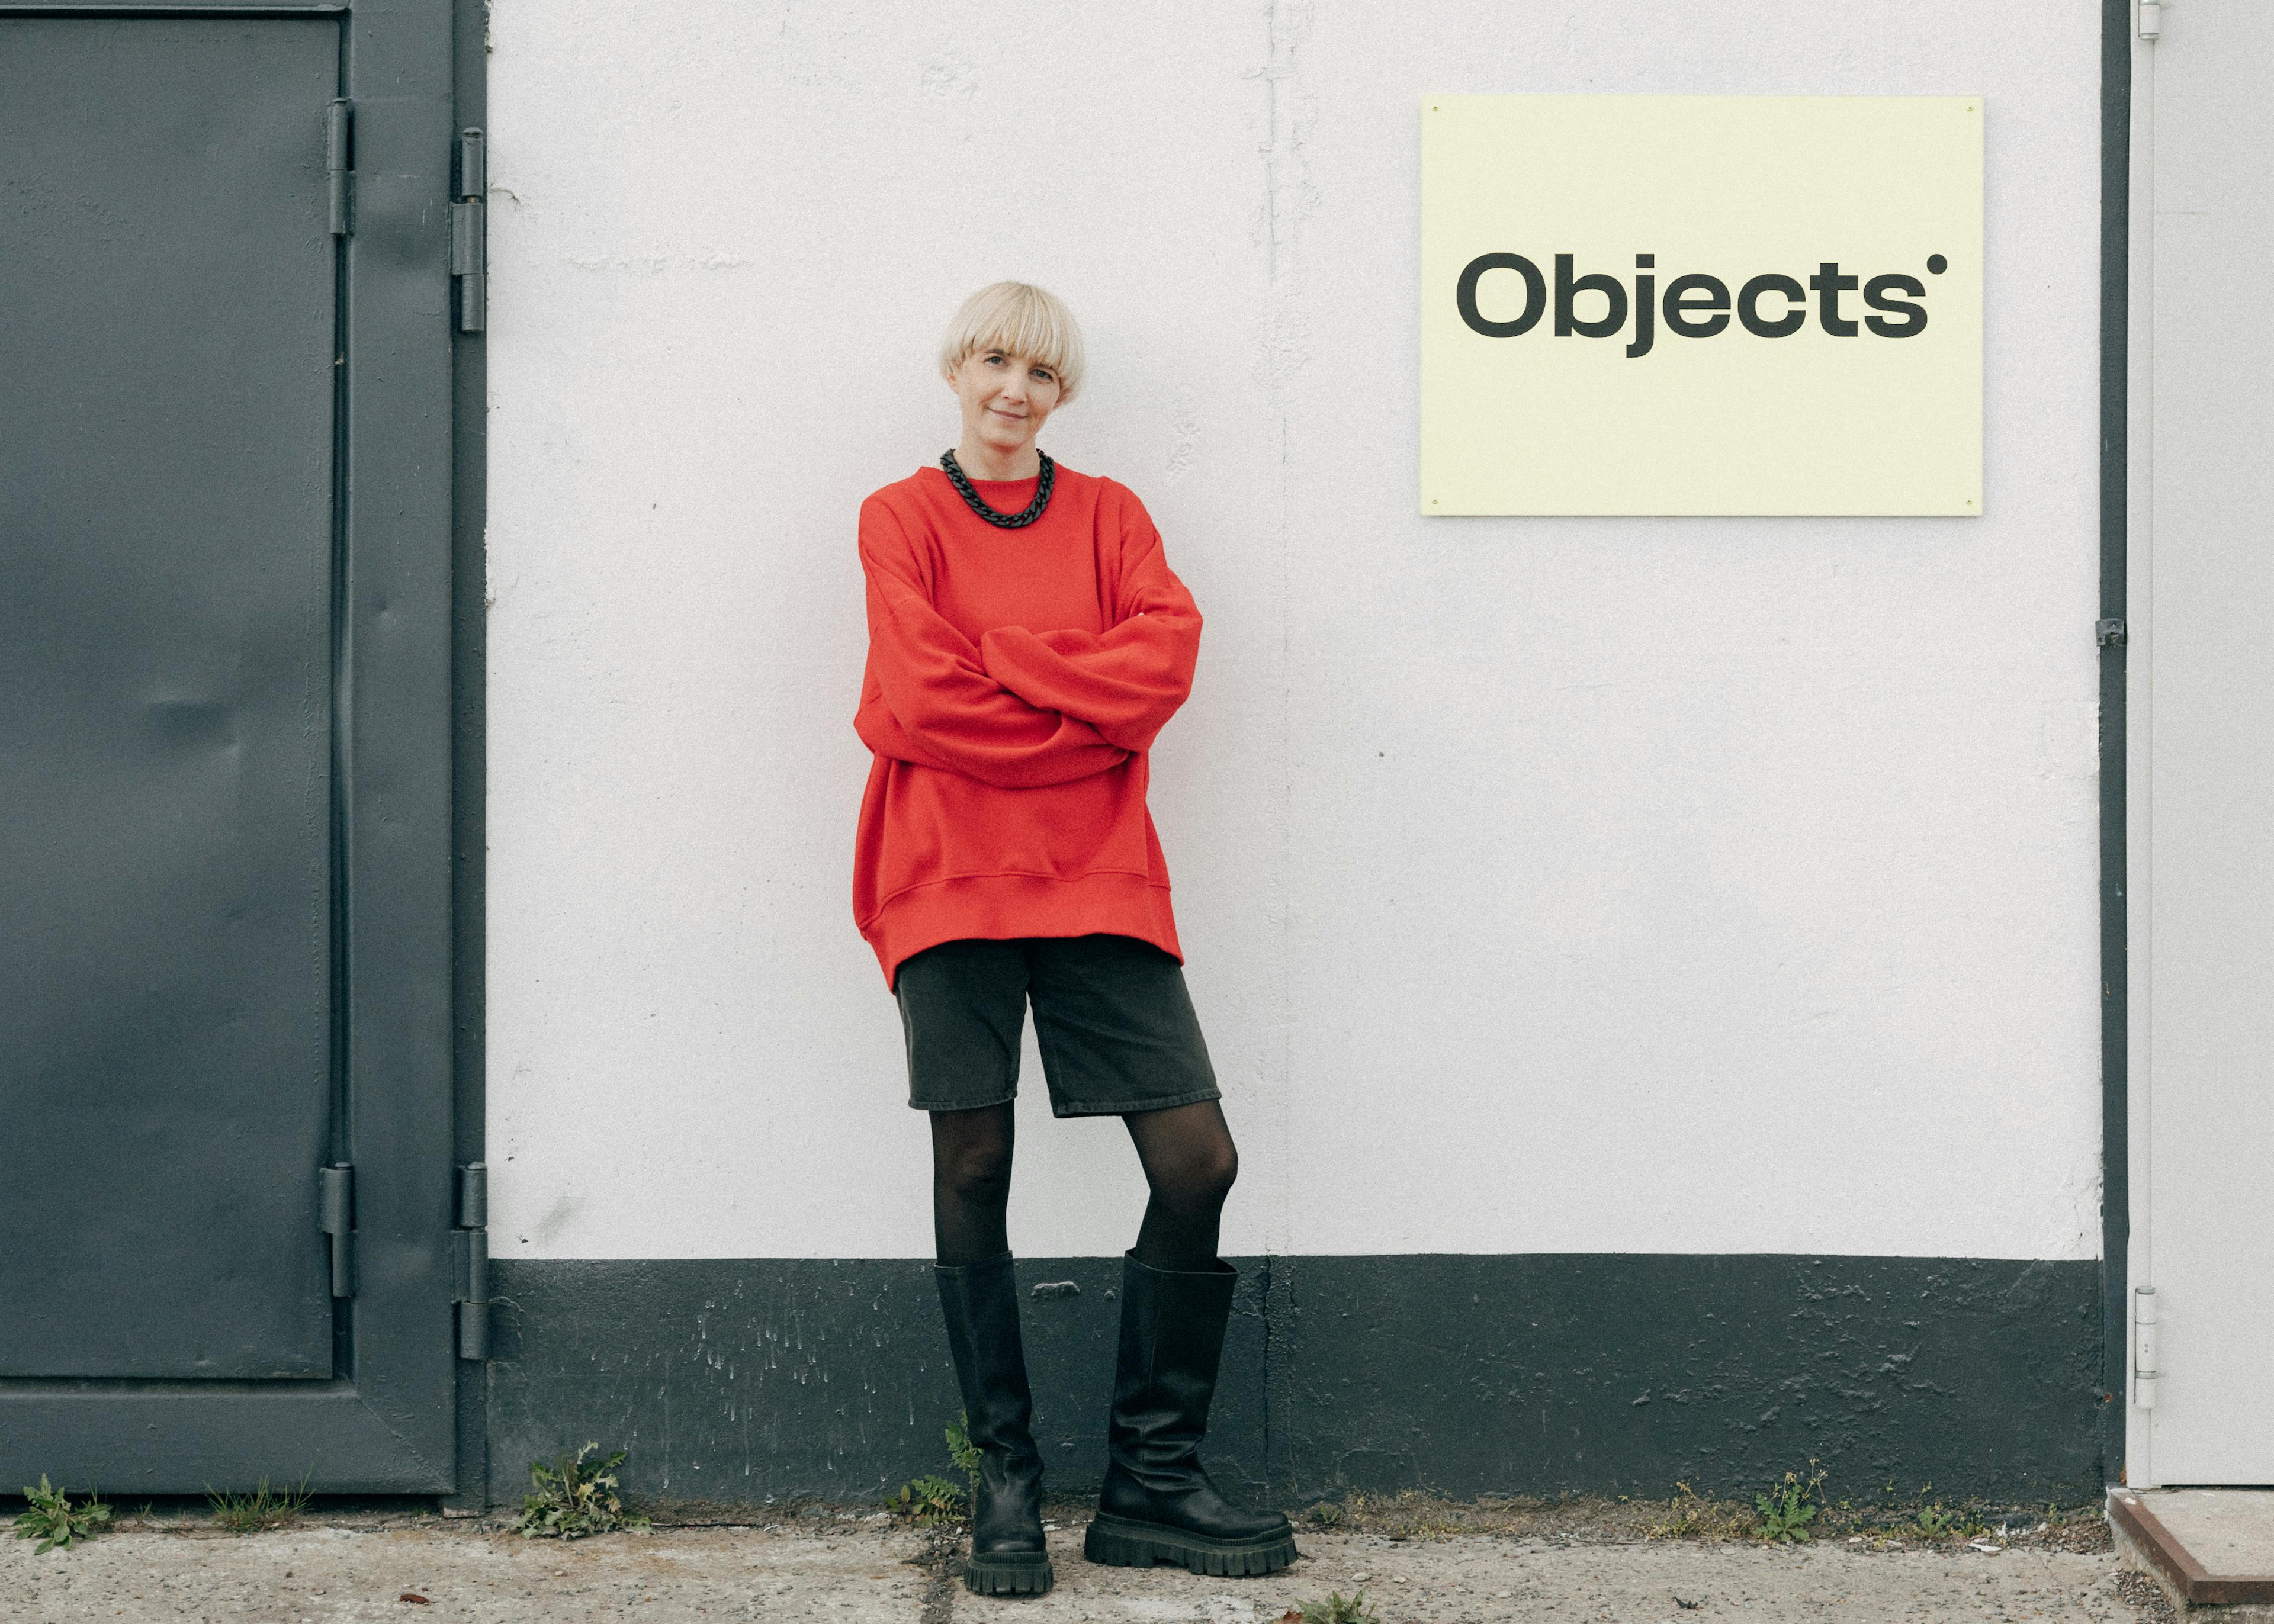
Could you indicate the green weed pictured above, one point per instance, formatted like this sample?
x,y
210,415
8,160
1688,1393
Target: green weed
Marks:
x,y
931,1499
264,1507
1932,1518
54,1521
961,1450
570,1500
1336,1609
926,1500
1787,1509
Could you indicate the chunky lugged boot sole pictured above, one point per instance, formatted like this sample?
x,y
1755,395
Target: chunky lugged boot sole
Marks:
x,y
1008,1575
1121,1542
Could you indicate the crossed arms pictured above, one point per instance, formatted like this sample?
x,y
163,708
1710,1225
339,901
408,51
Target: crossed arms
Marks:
x,y
1021,708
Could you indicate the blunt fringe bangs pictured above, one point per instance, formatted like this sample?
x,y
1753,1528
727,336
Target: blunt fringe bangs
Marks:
x,y
1019,319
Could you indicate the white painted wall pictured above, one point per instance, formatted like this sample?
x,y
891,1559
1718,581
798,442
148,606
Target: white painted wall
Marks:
x,y
1547,885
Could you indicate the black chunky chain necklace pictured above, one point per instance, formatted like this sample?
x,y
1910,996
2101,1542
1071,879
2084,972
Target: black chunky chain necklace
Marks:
x,y
1027,515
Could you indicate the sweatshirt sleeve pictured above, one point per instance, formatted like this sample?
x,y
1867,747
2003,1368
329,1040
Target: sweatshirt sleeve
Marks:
x,y
939,698
881,730
1128,682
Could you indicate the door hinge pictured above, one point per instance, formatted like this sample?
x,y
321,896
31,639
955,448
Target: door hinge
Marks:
x,y
2144,1350
2106,633
2151,19
469,235
337,1221
339,163
471,1261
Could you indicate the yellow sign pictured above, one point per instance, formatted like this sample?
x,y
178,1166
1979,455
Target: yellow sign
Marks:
x,y
1701,304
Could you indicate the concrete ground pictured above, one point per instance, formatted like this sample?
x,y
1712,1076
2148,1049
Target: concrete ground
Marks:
x,y
859,1569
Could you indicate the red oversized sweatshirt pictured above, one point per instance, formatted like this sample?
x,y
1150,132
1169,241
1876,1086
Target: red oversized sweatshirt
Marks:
x,y
1016,679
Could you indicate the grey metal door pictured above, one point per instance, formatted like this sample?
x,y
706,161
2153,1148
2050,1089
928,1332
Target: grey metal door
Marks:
x,y
211,991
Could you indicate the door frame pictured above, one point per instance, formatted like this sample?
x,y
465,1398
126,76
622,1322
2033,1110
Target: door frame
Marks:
x,y
395,1419
2131,451
2116,179
2128,432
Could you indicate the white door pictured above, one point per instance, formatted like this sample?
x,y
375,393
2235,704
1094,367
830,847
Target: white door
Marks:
x,y
2200,680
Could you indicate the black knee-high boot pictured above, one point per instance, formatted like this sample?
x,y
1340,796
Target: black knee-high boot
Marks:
x,y
1157,1504
981,1303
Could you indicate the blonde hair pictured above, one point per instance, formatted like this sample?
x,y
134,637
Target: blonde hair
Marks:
x,y
1018,319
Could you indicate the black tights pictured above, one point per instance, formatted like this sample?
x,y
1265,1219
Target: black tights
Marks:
x,y
1189,1164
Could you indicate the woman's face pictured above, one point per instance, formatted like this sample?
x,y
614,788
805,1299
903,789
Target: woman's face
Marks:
x,y
1005,397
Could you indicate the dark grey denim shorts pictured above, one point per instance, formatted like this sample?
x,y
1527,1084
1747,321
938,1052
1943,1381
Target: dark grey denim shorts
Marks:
x,y
1112,1019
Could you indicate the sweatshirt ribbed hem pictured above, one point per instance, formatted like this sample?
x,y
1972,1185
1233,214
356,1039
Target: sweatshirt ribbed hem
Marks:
x,y
997,906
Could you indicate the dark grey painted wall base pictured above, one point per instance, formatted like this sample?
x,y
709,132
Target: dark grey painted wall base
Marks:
x,y
746,1380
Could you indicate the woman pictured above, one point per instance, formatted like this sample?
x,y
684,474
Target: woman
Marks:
x,y
1027,641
